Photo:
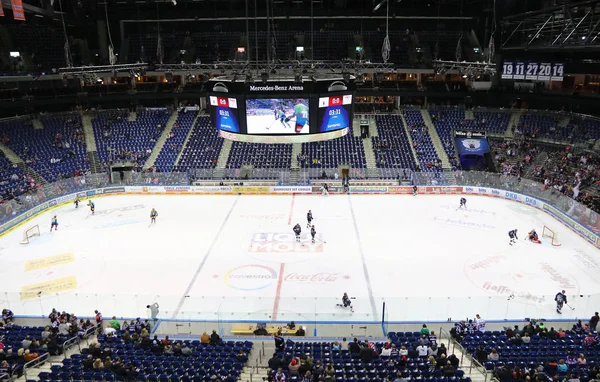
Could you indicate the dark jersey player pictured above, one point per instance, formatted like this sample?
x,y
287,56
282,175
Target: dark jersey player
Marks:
x,y
513,236
463,203
297,231
561,299
414,190
309,218
313,232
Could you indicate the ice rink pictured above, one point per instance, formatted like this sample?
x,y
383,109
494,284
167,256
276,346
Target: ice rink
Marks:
x,y
234,258
267,124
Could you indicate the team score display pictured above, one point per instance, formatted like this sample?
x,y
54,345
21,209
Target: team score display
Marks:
x,y
277,116
335,112
224,111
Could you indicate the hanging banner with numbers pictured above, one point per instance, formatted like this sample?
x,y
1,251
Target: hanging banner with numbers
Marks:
x,y
536,71
17,9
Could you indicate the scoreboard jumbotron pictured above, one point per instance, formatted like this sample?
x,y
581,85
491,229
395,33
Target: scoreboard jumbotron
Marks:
x,y
281,111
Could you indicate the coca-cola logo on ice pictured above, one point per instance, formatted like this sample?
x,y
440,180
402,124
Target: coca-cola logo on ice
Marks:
x,y
322,277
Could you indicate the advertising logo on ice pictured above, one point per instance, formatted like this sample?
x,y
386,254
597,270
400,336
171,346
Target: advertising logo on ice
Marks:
x,y
250,277
284,242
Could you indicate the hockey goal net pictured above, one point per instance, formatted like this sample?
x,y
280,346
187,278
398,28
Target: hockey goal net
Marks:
x,y
30,233
551,234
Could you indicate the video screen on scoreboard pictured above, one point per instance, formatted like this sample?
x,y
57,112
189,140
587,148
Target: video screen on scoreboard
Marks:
x,y
277,116
225,113
335,112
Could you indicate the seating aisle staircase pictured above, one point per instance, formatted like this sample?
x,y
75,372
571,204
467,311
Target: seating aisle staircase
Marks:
x,y
515,117
257,368
160,142
435,139
222,161
187,139
15,159
356,127
538,161
368,145
90,143
412,146
564,121
295,168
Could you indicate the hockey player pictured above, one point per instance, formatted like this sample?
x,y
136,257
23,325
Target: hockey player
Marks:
x,y
92,206
414,190
346,302
76,202
313,232
533,236
561,299
463,203
324,189
153,215
297,231
283,119
54,224
513,236
301,114
309,218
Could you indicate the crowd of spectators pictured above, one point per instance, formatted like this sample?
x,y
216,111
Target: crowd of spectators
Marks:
x,y
284,364
572,366
514,156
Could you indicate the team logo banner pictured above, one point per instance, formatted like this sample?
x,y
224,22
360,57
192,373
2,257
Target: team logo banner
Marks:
x,y
17,8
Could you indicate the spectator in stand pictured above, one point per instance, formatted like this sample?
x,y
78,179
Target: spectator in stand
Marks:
x,y
115,323
589,339
594,321
481,354
98,317
422,350
279,376
185,350
26,342
7,315
301,332
386,352
205,338
5,368
214,338
526,338
366,354
448,370
562,366
88,362
403,351
274,362
561,333
581,360
344,344
29,356
494,356
354,346
424,330
294,366
279,341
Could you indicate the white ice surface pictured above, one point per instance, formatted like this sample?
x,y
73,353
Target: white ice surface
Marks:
x,y
206,258
267,124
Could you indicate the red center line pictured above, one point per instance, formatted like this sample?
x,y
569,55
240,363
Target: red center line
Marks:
x,y
291,209
278,292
